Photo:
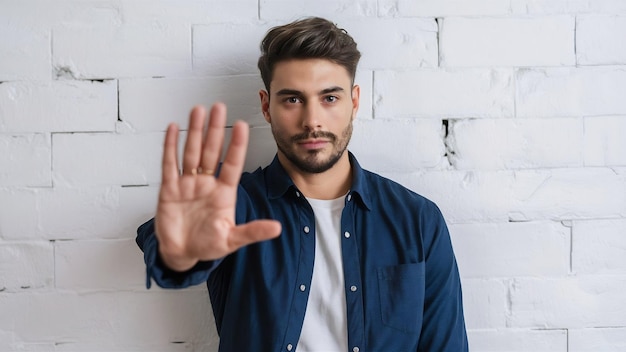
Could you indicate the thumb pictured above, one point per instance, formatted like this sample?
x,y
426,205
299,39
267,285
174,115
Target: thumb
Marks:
x,y
254,231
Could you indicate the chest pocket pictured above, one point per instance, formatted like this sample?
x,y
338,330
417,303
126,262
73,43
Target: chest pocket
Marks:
x,y
401,292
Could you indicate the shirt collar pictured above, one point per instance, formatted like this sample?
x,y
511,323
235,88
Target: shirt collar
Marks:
x,y
278,181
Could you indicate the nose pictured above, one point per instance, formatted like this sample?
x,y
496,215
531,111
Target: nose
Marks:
x,y
311,117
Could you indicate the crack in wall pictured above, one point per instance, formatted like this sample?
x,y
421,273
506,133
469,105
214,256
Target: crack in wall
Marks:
x,y
447,129
439,29
509,299
119,117
569,224
64,72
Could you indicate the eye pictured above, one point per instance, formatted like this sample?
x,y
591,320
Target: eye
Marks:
x,y
292,100
330,98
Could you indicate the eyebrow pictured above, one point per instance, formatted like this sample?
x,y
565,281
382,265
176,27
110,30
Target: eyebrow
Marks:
x,y
297,92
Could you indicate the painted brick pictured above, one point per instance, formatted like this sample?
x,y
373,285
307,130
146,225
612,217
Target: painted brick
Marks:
x,y
9,341
469,42
76,213
604,141
151,104
600,40
443,93
516,143
191,12
217,52
574,302
78,13
443,8
543,7
106,265
401,44
609,339
106,159
24,53
518,340
26,265
405,44
16,205
599,246
65,12
88,159
499,196
121,51
547,194
284,10
484,303
420,142
476,8
25,160
58,106
511,249
104,317
589,91
602,6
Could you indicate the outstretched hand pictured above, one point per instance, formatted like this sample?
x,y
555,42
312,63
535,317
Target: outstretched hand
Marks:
x,y
195,217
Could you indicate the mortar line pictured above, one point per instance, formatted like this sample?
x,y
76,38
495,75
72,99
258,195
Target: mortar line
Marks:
x,y
54,262
575,35
571,248
191,45
373,95
439,22
51,54
119,117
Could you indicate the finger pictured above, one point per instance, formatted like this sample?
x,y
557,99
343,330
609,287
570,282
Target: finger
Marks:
x,y
232,167
169,169
212,148
252,232
193,145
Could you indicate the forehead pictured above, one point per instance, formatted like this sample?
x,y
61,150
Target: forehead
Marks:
x,y
309,75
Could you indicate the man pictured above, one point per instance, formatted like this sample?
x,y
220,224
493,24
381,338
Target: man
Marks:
x,y
311,253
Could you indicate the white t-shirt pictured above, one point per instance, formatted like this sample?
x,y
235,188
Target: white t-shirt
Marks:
x,y
325,322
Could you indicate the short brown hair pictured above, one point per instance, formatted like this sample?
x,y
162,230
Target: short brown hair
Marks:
x,y
309,38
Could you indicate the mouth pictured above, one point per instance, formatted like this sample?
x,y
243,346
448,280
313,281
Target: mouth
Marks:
x,y
313,144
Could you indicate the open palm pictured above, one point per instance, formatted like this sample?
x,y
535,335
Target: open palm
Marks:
x,y
195,217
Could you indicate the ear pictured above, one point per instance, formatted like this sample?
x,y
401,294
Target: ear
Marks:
x,y
356,96
265,105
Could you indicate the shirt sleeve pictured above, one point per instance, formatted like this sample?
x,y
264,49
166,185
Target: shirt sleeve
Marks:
x,y
157,270
443,326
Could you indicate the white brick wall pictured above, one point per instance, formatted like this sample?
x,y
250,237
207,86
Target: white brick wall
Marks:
x,y
468,42
511,115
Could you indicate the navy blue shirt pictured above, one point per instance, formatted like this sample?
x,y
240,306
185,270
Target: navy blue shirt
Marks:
x,y
402,285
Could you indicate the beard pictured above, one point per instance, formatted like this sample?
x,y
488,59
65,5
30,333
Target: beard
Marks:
x,y
311,162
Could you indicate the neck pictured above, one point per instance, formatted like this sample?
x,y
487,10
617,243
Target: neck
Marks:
x,y
330,184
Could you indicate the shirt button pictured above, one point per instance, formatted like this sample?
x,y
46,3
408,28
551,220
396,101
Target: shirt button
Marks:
x,y
346,234
290,347
306,229
353,288
355,349
297,194
302,288
349,197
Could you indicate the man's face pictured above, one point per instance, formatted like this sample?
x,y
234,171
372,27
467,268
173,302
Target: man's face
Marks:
x,y
310,107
